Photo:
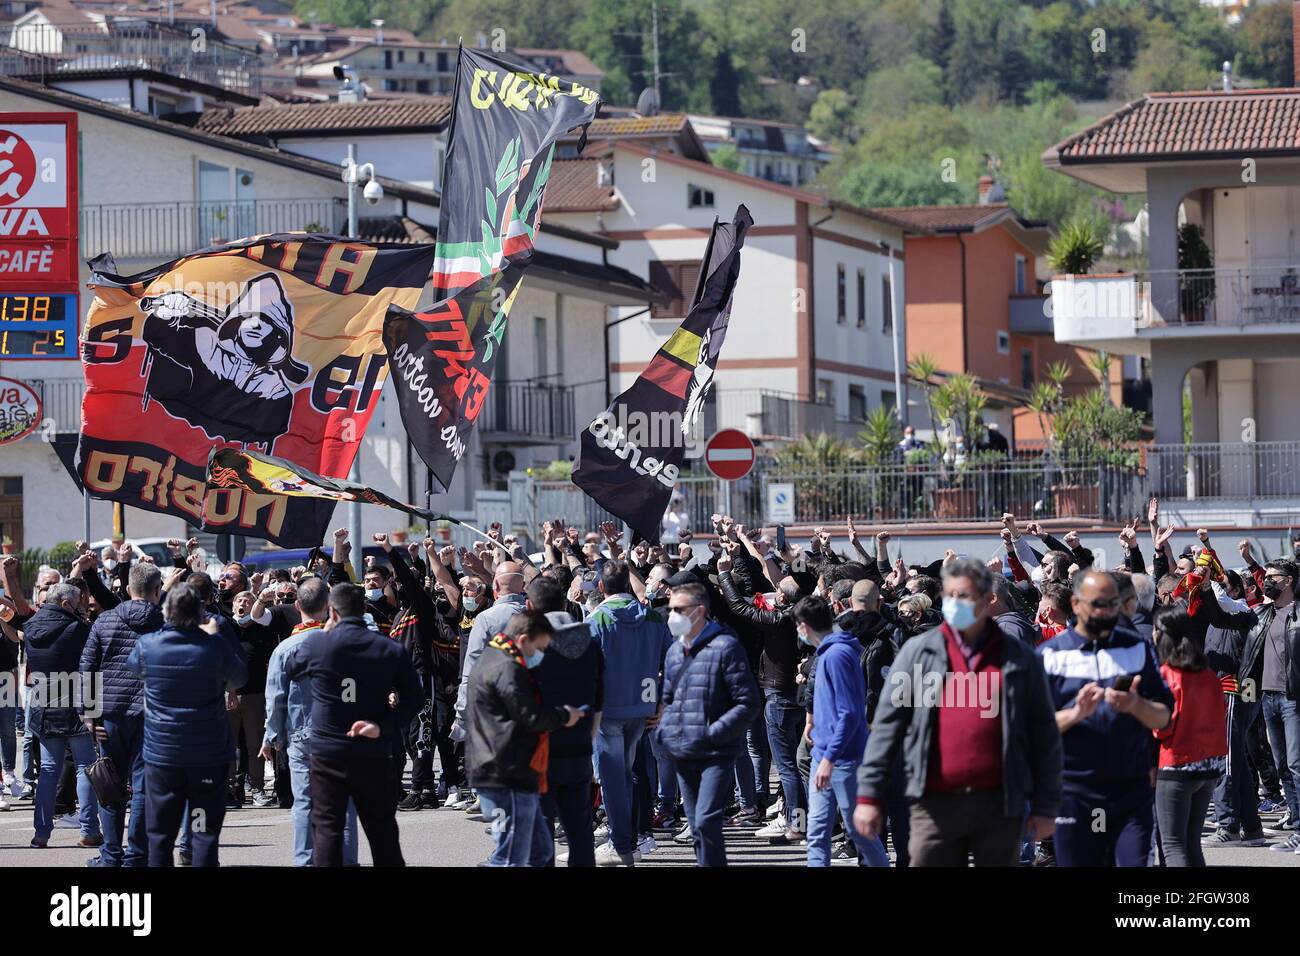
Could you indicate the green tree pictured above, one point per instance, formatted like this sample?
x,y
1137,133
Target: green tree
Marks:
x,y
831,117
988,57
1265,44
726,157
527,23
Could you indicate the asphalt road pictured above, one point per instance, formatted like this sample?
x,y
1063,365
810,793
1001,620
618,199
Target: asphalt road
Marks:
x,y
443,837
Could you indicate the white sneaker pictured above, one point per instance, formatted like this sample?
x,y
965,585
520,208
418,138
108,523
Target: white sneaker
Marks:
x,y
602,833
773,811
455,798
606,855
14,785
776,828
4,803
69,821
1290,845
562,857
684,837
646,844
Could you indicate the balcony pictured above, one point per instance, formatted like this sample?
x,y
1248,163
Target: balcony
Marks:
x,y
1029,314
60,404
528,413
164,230
767,415
48,52
1118,312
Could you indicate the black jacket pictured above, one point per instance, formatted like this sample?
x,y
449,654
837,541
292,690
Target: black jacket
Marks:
x,y
879,640
773,630
55,640
1252,661
373,667
504,721
572,672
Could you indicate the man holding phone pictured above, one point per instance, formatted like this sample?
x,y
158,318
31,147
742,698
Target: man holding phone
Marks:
x,y
1109,698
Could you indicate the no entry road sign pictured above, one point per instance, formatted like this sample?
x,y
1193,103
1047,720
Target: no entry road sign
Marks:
x,y
729,454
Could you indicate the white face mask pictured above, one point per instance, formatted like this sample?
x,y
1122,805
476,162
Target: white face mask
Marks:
x,y
374,594
110,564
679,624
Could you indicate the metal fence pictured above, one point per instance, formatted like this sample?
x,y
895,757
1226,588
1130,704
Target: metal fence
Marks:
x,y
529,411
1242,470
1033,489
60,402
163,230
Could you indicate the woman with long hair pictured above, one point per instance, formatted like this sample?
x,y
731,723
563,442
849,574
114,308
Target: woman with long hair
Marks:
x,y
1194,744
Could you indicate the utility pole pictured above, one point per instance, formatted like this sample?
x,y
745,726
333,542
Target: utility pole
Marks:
x,y
654,30
352,176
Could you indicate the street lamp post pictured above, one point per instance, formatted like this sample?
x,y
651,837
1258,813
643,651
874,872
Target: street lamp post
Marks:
x,y
353,174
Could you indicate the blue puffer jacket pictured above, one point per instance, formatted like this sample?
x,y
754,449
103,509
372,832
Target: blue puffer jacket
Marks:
x,y
186,674
706,717
119,692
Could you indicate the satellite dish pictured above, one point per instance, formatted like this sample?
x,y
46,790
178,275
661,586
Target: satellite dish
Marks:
x,y
647,104
503,462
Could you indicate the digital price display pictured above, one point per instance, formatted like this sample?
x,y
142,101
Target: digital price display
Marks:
x,y
38,325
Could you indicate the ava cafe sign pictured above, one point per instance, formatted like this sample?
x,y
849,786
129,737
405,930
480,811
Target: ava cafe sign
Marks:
x,y
20,410
38,200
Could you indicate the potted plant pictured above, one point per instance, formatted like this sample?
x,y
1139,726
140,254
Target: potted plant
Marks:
x,y
958,404
1195,273
812,463
398,537
879,437
1076,247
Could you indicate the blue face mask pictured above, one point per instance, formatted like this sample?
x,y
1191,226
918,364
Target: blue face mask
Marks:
x,y
803,638
469,604
244,620
533,659
958,613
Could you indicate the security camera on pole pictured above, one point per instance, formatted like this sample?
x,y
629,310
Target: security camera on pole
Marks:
x,y
373,192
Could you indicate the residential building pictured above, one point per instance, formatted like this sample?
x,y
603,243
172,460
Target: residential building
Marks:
x,y
1217,326
812,340
973,305
778,152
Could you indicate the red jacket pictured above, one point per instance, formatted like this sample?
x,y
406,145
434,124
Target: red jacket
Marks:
x,y
1198,727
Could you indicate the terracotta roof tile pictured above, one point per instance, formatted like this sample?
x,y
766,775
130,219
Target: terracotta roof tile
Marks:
x,y
941,218
424,112
574,187
621,127
1190,124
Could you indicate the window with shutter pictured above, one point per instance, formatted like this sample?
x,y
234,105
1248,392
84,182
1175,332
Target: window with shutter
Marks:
x,y
677,280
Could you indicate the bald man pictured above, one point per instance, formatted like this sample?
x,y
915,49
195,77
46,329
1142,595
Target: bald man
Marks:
x,y
1109,697
508,591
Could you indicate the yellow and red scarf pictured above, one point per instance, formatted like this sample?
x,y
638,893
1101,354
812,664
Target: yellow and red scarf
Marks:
x,y
1207,565
542,755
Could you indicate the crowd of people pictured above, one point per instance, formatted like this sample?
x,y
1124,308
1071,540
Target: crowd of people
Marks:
x,y
595,701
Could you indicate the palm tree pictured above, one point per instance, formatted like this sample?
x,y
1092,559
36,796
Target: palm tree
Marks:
x,y
880,436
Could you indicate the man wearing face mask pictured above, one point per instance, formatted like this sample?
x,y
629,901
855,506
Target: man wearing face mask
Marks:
x,y
507,751
1270,663
710,699
508,589
1109,697
970,711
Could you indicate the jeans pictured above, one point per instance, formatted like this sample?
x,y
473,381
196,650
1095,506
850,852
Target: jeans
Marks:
x,y
746,793
785,724
666,771
125,747
1283,723
196,793
706,788
615,753
299,752
53,750
519,833
1181,806
31,749
760,758
1236,804
8,734
841,794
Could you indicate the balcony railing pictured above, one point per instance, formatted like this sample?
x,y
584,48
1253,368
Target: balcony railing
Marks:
x,y
528,413
164,230
766,414
60,403
1118,306
44,52
1242,470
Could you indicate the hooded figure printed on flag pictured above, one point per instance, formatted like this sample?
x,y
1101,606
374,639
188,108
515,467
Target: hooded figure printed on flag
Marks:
x,y
204,357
